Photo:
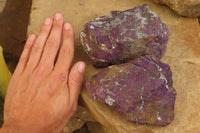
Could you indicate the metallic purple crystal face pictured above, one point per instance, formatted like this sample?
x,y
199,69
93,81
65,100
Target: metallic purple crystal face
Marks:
x,y
141,90
124,35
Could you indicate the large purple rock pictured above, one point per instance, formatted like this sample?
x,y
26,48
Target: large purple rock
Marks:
x,y
124,35
141,90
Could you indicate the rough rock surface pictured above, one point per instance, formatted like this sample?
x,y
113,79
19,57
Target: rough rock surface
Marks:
x,y
95,127
78,120
2,5
124,35
189,8
141,90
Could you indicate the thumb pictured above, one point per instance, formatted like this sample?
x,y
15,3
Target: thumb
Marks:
x,y
76,80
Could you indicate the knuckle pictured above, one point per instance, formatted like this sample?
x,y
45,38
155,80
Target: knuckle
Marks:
x,y
51,90
52,43
28,45
43,35
27,48
23,59
74,82
40,72
60,77
57,25
44,29
68,51
36,48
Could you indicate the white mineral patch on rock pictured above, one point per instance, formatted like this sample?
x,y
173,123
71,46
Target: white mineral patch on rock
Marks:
x,y
92,27
158,116
109,101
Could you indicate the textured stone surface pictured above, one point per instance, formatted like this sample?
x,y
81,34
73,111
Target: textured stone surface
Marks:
x,y
140,90
189,8
183,54
73,125
95,127
78,120
124,35
2,5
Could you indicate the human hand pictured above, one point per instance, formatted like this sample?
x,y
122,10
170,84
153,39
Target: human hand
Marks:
x,y
43,91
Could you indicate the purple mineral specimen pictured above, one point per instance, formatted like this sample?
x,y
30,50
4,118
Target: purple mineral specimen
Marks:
x,y
124,35
141,90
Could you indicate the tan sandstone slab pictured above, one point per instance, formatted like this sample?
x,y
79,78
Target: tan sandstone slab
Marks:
x,y
78,120
95,127
183,55
2,5
189,8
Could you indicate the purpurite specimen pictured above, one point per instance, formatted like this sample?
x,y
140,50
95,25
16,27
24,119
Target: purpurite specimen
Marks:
x,y
124,35
141,90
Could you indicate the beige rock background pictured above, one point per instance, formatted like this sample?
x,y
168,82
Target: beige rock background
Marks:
x,y
2,5
189,8
95,127
78,120
183,55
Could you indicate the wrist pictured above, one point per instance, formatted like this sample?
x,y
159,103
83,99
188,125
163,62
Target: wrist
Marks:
x,y
9,129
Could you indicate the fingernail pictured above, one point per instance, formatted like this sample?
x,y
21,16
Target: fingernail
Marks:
x,y
58,16
32,37
47,21
81,67
67,26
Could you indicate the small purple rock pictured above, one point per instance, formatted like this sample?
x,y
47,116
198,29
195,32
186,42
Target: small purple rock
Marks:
x,y
124,35
141,90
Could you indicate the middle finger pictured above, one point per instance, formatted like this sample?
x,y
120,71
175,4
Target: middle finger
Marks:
x,y
53,42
